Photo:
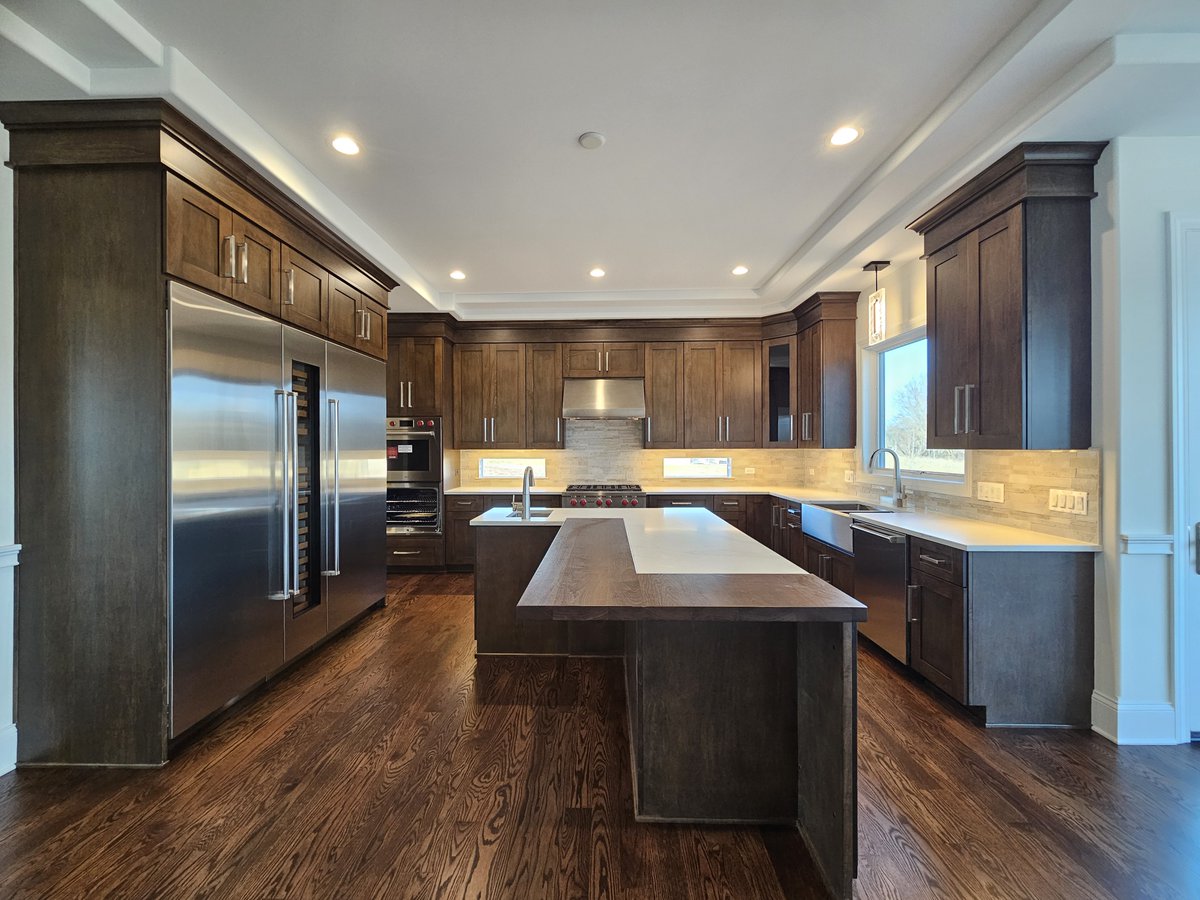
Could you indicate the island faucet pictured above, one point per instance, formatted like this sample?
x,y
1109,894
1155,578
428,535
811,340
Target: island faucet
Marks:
x,y
898,494
526,484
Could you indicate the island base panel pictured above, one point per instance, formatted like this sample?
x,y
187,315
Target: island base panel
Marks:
x,y
827,711
505,560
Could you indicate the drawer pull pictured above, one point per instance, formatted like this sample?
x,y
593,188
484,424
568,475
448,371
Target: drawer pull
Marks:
x,y
729,503
681,503
406,552
932,559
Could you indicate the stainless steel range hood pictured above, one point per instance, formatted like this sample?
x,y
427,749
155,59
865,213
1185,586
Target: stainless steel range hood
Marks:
x,y
604,398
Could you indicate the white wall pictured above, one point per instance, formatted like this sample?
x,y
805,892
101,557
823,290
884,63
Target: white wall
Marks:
x,y
1143,180
8,731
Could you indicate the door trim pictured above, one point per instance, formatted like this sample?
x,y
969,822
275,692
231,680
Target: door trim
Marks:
x,y
1185,313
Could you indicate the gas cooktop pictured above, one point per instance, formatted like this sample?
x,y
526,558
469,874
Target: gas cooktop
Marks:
x,y
604,488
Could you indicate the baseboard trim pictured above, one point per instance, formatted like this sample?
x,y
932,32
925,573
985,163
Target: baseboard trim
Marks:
x,y
9,555
1133,723
8,748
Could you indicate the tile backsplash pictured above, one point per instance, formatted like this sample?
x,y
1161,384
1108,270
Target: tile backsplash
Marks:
x,y
612,451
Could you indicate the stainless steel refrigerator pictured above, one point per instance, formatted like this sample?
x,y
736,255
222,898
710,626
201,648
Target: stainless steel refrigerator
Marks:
x,y
278,493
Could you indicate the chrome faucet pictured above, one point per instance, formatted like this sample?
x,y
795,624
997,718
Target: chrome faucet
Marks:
x,y
899,495
526,484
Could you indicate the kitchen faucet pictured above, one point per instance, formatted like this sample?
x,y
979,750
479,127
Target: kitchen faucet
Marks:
x,y
898,494
526,484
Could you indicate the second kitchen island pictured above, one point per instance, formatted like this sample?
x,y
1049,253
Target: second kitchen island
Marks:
x,y
740,667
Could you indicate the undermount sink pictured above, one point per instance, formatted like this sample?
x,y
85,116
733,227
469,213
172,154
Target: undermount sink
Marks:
x,y
537,512
830,521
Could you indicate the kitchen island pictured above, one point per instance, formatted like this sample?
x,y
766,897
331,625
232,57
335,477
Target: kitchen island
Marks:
x,y
740,667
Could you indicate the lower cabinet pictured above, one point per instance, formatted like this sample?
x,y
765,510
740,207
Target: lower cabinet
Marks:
x,y
731,508
669,501
830,564
460,509
416,551
937,632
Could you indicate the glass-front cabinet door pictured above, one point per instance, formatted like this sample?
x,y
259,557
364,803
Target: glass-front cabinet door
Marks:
x,y
779,392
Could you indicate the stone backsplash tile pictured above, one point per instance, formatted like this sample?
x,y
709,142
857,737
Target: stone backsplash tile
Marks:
x,y
612,451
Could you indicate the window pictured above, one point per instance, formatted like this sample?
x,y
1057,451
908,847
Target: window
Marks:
x,y
903,385
492,467
698,467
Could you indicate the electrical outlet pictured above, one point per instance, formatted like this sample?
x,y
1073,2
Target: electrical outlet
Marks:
x,y
848,475
991,491
812,472
749,470
1074,503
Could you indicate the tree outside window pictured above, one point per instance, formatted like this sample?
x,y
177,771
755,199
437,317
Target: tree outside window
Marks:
x,y
903,388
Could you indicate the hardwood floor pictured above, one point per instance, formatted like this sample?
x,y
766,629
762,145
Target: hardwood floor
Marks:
x,y
392,765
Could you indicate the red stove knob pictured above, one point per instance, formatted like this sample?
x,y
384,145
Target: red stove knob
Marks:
x,y
625,502
634,501
599,502
574,502
608,503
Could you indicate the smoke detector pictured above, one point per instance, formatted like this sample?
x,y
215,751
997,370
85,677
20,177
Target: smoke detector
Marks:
x,y
591,140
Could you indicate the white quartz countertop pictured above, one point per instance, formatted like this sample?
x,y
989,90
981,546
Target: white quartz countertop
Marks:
x,y
973,535
671,541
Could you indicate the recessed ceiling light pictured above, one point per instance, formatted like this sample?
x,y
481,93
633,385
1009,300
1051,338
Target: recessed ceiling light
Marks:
x,y
597,272
343,143
739,270
592,140
458,274
847,134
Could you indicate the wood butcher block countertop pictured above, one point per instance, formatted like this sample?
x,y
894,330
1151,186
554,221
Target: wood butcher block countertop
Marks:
x,y
669,565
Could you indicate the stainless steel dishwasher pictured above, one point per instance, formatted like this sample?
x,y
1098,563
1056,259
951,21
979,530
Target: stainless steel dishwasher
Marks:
x,y
881,582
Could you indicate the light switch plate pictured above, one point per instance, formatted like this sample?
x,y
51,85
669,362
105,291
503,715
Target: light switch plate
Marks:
x,y
990,491
1074,503
812,471
749,470
848,474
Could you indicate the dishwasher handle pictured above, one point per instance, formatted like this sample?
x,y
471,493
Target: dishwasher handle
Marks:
x,y
890,536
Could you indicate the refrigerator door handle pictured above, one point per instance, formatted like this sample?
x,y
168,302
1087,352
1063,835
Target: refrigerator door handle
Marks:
x,y
286,519
335,441
294,475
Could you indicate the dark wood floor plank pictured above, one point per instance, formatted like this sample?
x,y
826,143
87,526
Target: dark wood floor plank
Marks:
x,y
392,764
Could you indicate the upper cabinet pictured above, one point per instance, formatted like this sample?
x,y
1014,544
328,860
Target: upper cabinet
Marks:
x,y
664,396
604,360
809,378
722,397
544,427
1009,303
489,396
418,376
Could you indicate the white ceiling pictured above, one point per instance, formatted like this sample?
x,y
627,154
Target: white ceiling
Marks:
x,y
717,115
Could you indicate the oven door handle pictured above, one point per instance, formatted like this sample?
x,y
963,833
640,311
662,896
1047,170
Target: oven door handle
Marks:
x,y
401,435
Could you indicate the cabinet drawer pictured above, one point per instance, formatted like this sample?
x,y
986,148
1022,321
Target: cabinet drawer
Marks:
x,y
671,501
462,503
937,559
728,503
415,550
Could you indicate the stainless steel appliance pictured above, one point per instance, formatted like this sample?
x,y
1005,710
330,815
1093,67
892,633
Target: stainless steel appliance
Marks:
x,y
627,495
277,497
414,509
414,450
604,398
881,582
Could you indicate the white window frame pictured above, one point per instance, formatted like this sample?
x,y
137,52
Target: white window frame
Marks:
x,y
870,427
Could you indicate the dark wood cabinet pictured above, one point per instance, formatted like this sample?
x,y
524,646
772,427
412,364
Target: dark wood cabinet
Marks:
x,y
1009,303
343,322
826,385
305,292
777,530
731,508
722,394
664,396
418,376
257,255
416,551
460,509
489,396
779,392
544,429
829,564
937,632
604,359
758,518
679,501
200,240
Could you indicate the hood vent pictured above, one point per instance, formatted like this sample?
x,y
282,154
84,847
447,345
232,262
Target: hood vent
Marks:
x,y
604,398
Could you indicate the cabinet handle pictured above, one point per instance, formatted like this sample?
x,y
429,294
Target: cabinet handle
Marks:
x,y
649,431
291,288
367,322
406,552
967,389
558,430
493,429
410,403
931,559
485,429
729,503
598,369
464,502
792,525
911,600
230,256
727,428
957,397
791,427
244,267
718,429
